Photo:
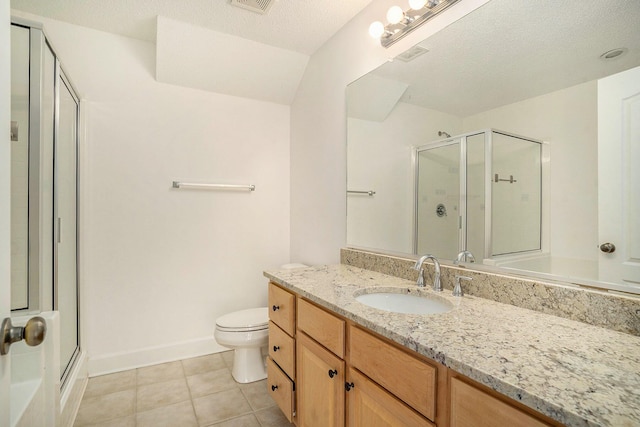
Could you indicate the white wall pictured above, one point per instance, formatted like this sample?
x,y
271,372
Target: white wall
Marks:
x,y
567,119
379,159
159,264
318,128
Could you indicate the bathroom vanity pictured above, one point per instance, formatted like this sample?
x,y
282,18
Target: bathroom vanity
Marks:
x,y
334,361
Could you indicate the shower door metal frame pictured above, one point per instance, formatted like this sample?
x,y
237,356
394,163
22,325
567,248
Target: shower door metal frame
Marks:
x,y
38,43
462,139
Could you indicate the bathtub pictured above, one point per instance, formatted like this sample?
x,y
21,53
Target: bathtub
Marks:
x,y
34,377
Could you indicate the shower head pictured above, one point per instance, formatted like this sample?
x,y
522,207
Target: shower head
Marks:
x,y
442,133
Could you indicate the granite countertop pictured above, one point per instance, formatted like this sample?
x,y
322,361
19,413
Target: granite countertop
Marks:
x,y
577,374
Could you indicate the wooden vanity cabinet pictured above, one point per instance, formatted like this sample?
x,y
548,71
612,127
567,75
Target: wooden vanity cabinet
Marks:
x,y
320,367
325,371
321,378
475,405
281,372
368,405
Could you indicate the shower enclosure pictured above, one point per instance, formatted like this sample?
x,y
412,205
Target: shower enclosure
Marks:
x,y
44,187
481,192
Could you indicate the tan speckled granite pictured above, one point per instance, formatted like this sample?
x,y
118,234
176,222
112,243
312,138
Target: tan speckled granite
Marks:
x,y
611,311
577,374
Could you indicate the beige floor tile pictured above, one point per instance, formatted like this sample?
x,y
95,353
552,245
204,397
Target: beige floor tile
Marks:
x,y
227,356
199,365
244,421
272,417
110,383
129,421
104,408
221,406
211,382
155,395
160,373
257,395
176,415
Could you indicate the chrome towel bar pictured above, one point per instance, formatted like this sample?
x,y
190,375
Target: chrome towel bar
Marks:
x,y
178,184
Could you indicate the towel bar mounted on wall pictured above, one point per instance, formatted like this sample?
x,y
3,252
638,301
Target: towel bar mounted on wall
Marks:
x,y
369,193
178,184
496,178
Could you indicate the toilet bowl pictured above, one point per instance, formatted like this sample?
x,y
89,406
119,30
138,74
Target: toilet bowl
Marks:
x,y
246,332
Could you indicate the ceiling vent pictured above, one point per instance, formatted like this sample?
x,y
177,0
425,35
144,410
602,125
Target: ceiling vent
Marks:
x,y
258,6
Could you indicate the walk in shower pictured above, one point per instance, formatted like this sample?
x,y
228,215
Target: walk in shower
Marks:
x,y
44,188
481,192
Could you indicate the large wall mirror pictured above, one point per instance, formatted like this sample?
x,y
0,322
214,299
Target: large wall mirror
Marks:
x,y
514,134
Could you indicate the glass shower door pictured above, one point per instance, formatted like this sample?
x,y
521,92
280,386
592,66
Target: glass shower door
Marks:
x,y
66,284
438,200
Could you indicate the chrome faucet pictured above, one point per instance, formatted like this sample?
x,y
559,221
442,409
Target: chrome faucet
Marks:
x,y
462,256
437,286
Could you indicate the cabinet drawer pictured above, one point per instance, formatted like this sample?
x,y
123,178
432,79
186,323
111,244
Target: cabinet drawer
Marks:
x,y
323,327
471,406
409,378
282,349
280,388
282,308
370,404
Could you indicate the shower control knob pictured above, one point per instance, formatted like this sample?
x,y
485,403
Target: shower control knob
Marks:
x,y
608,248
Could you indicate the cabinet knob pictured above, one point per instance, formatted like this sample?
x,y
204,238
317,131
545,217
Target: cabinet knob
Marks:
x,y
275,308
349,386
276,347
274,387
332,373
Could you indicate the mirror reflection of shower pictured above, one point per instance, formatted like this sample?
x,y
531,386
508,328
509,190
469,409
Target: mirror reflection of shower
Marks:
x,y
459,204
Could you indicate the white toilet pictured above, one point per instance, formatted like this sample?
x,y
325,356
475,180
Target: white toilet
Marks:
x,y
247,332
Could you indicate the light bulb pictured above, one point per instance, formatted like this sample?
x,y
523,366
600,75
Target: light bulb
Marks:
x,y
395,14
417,4
376,29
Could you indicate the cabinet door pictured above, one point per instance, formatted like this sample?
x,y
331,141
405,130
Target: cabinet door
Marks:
x,y
472,406
319,385
369,405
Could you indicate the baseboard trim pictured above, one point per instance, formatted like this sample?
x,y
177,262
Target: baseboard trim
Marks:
x,y
122,361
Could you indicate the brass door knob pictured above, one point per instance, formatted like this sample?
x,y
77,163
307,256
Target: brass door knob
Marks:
x,y
608,248
33,333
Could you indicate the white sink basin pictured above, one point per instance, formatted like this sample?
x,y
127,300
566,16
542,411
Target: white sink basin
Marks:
x,y
405,303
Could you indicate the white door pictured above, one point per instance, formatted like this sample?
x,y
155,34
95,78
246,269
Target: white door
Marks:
x,y
5,196
619,179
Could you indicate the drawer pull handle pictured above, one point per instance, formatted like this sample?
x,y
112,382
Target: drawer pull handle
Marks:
x,y
332,373
275,308
274,387
276,347
349,386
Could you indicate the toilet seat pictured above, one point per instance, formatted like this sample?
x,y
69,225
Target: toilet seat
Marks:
x,y
253,319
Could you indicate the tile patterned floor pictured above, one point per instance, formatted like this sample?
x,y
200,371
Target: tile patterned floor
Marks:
x,y
195,392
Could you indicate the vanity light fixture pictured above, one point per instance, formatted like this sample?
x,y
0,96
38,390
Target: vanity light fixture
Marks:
x,y
400,23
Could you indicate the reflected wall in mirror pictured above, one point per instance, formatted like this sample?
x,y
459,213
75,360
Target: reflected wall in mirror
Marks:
x,y
532,68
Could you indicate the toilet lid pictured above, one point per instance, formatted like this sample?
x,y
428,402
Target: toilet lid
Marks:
x,y
251,319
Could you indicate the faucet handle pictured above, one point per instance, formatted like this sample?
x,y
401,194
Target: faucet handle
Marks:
x,y
457,290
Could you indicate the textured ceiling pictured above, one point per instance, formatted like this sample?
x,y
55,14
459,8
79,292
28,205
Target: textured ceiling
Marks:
x,y
508,51
298,25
